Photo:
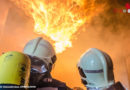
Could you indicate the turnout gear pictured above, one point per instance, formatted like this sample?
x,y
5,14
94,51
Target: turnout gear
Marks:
x,y
96,69
42,57
14,69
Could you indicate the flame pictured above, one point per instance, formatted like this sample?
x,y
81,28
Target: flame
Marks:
x,y
57,19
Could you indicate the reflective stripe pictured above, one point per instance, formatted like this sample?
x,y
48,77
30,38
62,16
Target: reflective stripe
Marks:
x,y
94,71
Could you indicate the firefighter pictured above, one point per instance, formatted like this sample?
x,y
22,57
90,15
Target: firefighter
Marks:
x,y
14,71
42,57
96,71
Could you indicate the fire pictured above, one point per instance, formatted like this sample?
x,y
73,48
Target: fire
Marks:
x,y
57,19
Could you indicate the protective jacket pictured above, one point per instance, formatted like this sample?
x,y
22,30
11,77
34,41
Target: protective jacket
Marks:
x,y
53,85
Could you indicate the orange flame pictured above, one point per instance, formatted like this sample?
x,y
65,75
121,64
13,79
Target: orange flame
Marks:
x,y
57,19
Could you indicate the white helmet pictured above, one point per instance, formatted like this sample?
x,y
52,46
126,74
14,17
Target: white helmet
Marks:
x,y
96,69
41,49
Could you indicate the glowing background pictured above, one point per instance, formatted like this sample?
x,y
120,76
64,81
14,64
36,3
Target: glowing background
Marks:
x,y
107,31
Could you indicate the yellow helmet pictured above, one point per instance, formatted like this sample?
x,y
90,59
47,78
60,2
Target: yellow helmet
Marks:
x,y
14,68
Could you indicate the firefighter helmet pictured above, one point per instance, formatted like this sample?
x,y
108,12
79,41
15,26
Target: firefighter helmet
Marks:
x,y
14,68
96,69
40,49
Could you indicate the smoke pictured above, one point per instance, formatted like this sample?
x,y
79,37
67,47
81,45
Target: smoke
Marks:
x,y
115,33
111,34
106,30
16,28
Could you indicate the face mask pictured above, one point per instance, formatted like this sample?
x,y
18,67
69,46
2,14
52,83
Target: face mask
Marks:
x,y
38,71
